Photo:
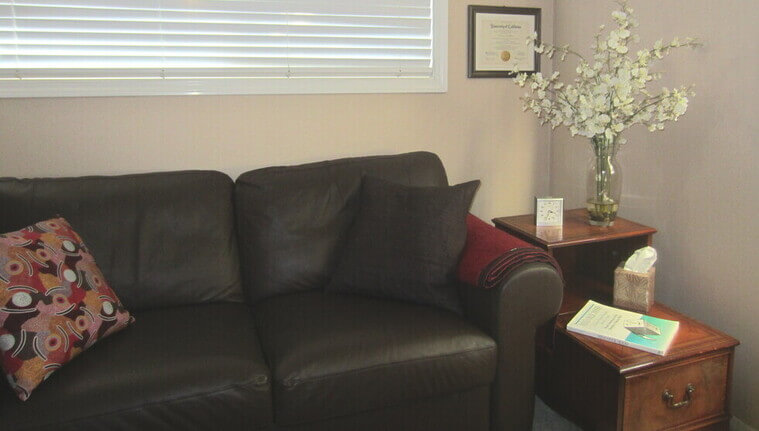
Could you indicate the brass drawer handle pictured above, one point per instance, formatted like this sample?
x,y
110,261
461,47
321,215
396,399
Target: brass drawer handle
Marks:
x,y
669,398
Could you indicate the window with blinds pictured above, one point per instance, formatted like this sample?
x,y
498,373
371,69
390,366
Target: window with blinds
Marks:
x,y
133,47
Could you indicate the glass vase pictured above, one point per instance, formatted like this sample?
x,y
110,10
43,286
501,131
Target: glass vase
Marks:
x,y
604,185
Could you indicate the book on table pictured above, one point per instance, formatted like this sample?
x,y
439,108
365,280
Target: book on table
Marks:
x,y
624,327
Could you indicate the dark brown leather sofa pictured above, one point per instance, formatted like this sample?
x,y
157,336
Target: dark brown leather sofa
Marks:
x,y
233,330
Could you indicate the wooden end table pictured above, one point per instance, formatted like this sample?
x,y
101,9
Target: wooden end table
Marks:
x,y
606,386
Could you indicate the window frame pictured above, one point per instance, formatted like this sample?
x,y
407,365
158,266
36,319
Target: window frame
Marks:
x,y
436,83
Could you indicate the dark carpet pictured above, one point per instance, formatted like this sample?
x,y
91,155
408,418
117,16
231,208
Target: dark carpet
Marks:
x,y
548,420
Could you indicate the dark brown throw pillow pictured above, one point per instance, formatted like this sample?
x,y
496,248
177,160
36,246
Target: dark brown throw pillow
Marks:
x,y
405,243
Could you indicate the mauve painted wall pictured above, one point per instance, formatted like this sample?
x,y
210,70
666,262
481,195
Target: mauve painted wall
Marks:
x,y
697,181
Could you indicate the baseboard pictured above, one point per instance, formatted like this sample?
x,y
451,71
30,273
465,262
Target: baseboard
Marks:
x,y
738,425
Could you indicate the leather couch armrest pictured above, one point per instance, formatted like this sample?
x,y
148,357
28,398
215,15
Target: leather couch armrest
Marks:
x,y
517,289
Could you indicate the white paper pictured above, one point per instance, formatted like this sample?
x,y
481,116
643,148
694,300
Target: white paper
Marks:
x,y
642,260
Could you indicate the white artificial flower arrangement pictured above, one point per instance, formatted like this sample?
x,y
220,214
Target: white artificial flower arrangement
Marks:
x,y
609,93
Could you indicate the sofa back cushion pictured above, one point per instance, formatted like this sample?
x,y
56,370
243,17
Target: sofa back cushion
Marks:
x,y
292,221
161,239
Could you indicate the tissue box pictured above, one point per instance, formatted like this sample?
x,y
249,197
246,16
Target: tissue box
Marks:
x,y
634,290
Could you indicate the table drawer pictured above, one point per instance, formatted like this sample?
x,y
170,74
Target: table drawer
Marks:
x,y
646,407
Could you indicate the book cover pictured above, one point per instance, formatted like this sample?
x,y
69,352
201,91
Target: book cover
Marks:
x,y
624,327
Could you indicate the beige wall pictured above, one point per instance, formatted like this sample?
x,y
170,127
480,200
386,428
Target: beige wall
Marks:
x,y
697,181
477,128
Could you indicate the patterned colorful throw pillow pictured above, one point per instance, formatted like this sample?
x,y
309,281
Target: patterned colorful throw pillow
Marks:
x,y
54,302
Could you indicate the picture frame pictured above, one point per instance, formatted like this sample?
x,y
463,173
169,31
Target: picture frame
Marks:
x,y
497,36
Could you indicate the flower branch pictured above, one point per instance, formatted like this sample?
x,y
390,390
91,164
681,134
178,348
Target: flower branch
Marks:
x,y
609,93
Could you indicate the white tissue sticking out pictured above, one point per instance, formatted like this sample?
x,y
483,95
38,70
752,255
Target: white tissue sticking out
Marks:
x,y
642,260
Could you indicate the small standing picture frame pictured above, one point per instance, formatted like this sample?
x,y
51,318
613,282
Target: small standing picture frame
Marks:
x,y
497,41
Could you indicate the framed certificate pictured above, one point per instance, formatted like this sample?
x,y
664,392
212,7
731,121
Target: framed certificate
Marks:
x,y
497,41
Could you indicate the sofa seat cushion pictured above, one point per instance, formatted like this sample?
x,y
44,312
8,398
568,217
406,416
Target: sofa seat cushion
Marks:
x,y
190,367
334,355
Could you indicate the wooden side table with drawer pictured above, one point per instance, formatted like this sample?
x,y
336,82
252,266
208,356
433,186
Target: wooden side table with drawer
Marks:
x,y
606,386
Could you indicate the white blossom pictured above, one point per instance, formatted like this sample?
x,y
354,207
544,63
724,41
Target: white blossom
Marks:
x,y
609,94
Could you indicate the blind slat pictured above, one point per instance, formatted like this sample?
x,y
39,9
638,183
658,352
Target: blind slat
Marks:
x,y
157,54
319,7
167,39
117,39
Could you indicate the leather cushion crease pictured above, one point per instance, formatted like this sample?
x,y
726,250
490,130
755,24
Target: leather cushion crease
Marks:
x,y
345,354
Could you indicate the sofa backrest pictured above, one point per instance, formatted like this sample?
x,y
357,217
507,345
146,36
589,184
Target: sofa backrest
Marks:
x,y
292,220
161,239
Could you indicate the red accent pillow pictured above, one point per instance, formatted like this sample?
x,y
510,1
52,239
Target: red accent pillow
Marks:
x,y
491,255
484,243
54,302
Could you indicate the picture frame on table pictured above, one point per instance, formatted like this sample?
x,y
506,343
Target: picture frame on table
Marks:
x,y
497,41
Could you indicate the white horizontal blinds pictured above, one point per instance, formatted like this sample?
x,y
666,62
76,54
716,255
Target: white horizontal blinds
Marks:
x,y
54,39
